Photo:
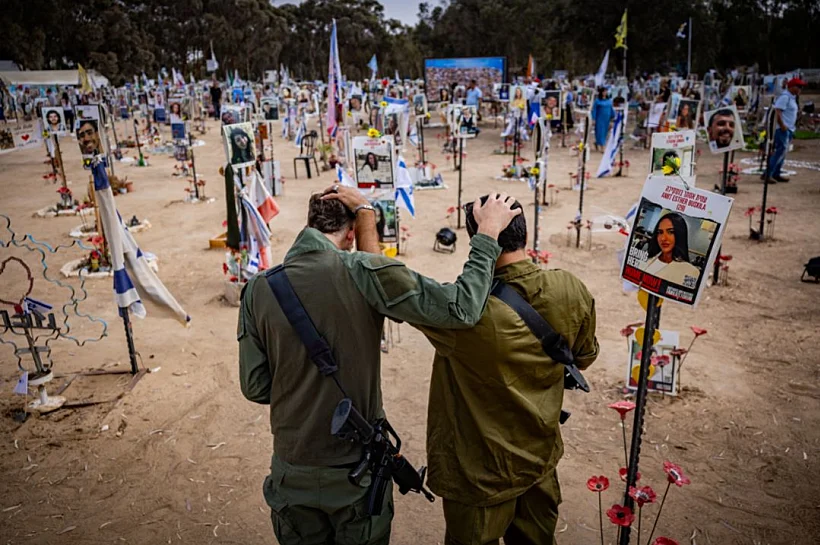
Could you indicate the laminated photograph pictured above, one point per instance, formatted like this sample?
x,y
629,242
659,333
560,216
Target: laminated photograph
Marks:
x,y
676,152
386,218
724,129
374,163
663,367
675,239
54,121
240,144
688,114
89,124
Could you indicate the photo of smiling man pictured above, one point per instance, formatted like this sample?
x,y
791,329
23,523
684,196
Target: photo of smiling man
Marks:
x,y
724,129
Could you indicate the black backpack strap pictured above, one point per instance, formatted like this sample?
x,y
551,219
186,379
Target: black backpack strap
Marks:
x,y
553,344
317,347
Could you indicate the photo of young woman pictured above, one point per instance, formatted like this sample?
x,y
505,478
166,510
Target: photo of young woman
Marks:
x,y
669,252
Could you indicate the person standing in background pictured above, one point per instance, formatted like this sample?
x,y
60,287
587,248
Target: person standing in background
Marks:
x,y
785,108
602,114
474,97
216,98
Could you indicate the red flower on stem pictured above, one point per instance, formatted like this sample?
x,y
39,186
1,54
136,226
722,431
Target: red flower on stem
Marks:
x,y
698,331
627,331
622,474
620,515
664,541
660,361
749,211
642,495
678,352
597,484
623,407
771,210
675,474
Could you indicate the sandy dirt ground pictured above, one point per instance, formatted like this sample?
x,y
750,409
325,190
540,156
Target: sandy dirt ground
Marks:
x,y
184,455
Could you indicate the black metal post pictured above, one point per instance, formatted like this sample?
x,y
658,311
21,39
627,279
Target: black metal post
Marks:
x,y
516,150
535,222
460,169
767,145
193,164
420,130
723,178
582,180
129,338
651,324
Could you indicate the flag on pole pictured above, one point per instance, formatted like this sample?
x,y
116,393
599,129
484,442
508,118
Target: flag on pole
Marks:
x,y
682,31
613,144
344,178
620,33
531,68
397,78
211,65
404,188
334,83
599,76
133,277
22,384
85,83
373,65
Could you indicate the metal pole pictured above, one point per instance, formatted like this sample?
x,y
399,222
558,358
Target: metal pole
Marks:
x,y
535,222
623,134
129,338
689,57
460,168
651,324
582,178
193,164
765,168
723,178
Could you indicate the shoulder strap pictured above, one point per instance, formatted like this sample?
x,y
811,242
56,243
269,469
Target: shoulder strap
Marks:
x,y
553,344
317,347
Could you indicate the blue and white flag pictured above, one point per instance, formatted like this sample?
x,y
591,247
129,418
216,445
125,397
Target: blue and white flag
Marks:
x,y
682,31
599,76
334,83
404,188
373,65
613,144
300,133
133,275
22,385
344,178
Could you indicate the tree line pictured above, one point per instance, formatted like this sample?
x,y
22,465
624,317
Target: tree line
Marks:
x,y
123,38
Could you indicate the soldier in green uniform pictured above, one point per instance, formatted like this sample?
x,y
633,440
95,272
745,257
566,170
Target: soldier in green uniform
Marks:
x,y
347,295
493,438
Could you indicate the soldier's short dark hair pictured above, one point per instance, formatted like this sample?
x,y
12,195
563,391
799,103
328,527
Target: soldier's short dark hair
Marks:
x,y
512,238
328,216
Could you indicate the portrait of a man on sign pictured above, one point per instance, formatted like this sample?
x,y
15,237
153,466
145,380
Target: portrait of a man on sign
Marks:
x,y
724,129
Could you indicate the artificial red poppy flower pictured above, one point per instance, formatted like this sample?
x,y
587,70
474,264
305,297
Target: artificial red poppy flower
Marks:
x,y
531,253
622,474
678,352
661,361
598,484
664,541
627,331
451,210
620,515
675,474
642,495
771,210
623,407
544,257
698,331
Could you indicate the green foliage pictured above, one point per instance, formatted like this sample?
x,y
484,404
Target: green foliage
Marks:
x,y
122,38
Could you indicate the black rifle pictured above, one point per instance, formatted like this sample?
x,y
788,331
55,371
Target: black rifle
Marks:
x,y
379,455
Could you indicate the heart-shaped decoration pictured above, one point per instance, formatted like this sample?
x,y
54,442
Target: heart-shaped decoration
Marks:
x,y
17,282
25,137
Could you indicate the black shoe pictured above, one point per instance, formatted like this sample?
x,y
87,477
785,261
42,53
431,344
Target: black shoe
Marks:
x,y
781,179
770,181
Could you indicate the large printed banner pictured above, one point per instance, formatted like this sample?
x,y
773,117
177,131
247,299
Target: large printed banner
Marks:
x,y
441,74
675,239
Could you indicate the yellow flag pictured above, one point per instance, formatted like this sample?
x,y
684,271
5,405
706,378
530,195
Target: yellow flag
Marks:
x,y
620,33
85,84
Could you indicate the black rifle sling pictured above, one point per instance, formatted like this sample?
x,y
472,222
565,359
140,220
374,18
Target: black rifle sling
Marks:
x,y
553,344
317,347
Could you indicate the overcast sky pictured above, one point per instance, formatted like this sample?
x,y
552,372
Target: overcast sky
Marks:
x,y
403,10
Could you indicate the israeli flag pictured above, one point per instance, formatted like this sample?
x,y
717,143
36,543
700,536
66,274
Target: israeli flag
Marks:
x,y
613,145
404,188
344,177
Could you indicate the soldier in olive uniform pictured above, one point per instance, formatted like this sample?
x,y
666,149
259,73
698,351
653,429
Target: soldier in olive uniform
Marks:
x,y
347,295
493,438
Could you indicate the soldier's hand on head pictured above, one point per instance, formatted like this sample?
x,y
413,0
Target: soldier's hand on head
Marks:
x,y
494,215
349,196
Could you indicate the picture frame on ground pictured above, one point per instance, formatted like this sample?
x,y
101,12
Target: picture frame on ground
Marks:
x,y
269,109
374,163
674,239
386,219
240,144
88,130
663,371
54,121
670,145
724,129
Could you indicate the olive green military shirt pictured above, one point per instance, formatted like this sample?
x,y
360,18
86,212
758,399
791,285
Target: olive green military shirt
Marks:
x,y
495,396
347,295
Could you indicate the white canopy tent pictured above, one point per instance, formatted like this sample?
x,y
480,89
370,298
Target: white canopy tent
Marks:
x,y
51,78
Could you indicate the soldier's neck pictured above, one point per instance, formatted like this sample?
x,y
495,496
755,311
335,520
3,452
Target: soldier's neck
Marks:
x,y
511,257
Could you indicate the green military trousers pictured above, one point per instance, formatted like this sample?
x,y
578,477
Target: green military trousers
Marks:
x,y
528,519
319,506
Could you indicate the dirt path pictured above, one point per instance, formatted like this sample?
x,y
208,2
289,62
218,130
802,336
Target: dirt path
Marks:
x,y
189,462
